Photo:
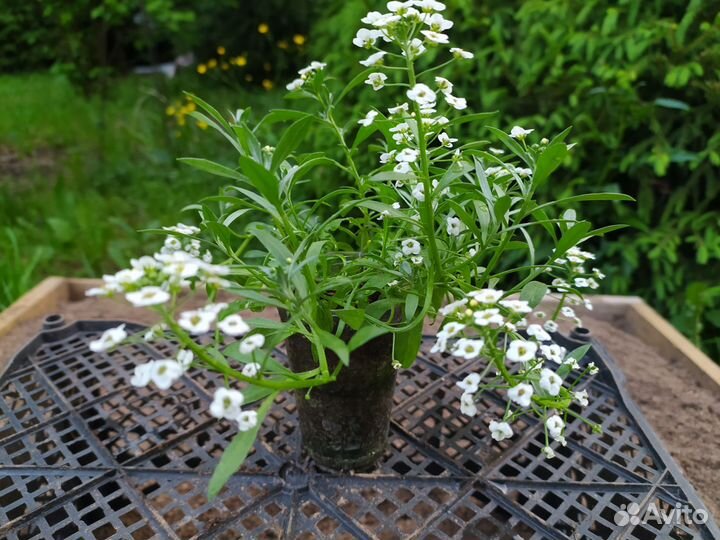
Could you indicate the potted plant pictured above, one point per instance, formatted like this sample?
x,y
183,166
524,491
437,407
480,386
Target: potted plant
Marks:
x,y
427,232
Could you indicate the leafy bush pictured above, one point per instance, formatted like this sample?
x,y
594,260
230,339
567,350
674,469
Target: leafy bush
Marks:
x,y
639,80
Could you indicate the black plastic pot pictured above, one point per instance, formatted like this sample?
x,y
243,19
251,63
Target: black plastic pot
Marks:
x,y
345,424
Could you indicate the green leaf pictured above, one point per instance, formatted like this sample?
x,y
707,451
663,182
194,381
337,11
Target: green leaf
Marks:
x,y
352,316
571,237
234,455
533,293
365,334
290,140
262,179
577,355
548,161
407,344
411,304
335,344
512,144
669,103
214,168
358,79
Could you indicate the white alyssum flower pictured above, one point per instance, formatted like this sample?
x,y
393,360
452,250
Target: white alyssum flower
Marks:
x,y
518,132
488,317
435,37
444,85
142,375
536,331
581,397
247,420
165,372
294,84
454,226
452,307
486,296
421,94
568,312
521,351
550,381
371,17
148,296
251,343
581,282
155,331
555,426
468,348
593,369
437,22
417,260
401,109
387,157
551,326
376,80
227,403
415,48
429,5
518,306
408,155
418,192
445,140
460,53
453,328
521,394
374,59
108,339
196,321
403,167
410,246
365,38
233,325
184,359
554,353
500,430
548,452
456,102
496,151
215,307
441,341
470,383
251,369
467,404
369,119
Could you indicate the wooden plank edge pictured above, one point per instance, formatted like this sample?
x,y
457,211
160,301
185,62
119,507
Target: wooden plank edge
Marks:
x,y
42,299
650,327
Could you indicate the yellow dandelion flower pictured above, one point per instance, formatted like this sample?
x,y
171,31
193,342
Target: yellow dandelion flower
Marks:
x,y
202,125
191,106
170,111
241,61
202,69
221,50
282,44
299,39
212,63
224,66
181,120
267,84
263,28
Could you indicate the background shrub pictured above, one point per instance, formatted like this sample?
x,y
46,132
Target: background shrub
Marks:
x,y
639,82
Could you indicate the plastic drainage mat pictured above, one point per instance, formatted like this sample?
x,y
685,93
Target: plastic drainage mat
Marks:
x,y
85,455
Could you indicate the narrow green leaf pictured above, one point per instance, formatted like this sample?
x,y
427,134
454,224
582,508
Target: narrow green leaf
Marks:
x,y
407,344
290,140
234,455
263,180
352,316
335,344
549,160
365,334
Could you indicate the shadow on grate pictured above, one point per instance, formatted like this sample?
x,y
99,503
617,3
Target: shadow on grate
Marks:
x,y
85,455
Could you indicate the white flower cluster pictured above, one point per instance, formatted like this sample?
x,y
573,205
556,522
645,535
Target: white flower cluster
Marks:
x,y
572,277
150,280
483,323
154,282
306,74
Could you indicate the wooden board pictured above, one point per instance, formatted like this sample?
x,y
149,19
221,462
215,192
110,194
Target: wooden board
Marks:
x,y
629,313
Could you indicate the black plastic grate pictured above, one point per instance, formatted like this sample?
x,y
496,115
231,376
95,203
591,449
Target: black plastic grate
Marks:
x,y
85,455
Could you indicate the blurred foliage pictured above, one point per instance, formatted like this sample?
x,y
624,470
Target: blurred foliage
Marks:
x,y
90,41
640,82
81,175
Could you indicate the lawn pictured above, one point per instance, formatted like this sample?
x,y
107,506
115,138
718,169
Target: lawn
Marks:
x,y
80,175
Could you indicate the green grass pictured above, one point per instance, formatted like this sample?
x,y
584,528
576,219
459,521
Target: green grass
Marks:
x,y
85,173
